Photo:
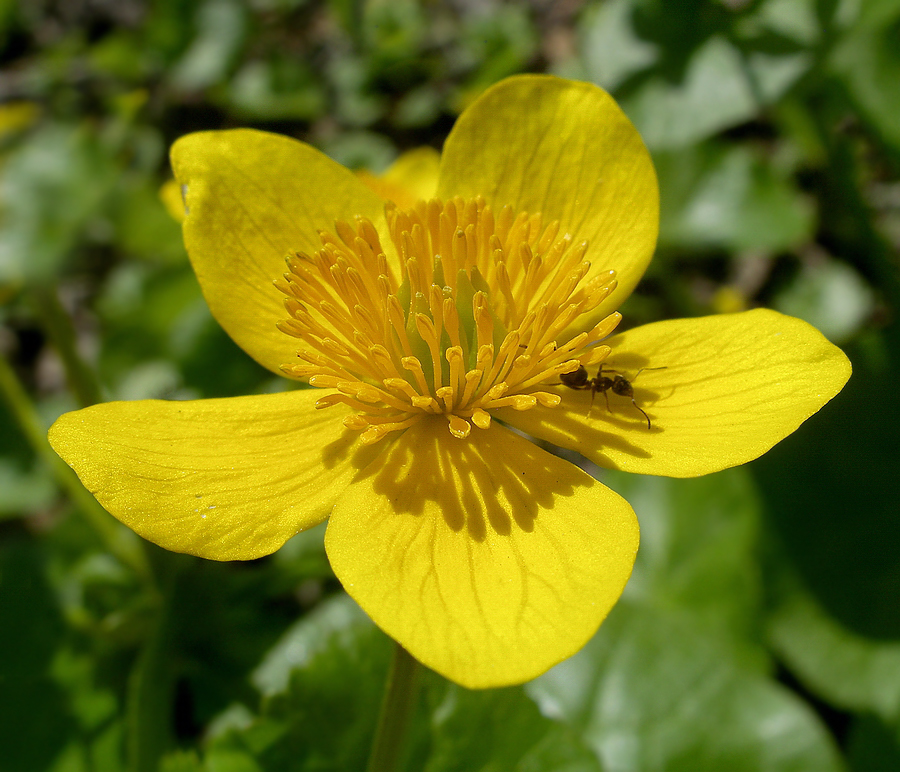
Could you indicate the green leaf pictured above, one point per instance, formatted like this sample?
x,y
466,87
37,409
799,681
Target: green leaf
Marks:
x,y
53,189
873,746
143,227
322,684
610,48
496,44
714,94
501,730
24,490
278,88
333,629
698,555
34,718
652,692
729,198
831,498
361,150
829,295
840,666
793,19
220,26
677,677
867,60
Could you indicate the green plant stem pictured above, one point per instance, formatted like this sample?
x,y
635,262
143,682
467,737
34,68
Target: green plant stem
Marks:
x,y
118,540
58,326
396,712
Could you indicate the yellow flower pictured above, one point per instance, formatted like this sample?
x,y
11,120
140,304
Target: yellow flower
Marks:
x,y
413,176
488,558
170,195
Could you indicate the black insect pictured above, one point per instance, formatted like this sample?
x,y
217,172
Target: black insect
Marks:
x,y
618,384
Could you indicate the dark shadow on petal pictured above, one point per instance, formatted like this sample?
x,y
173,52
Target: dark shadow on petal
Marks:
x,y
348,444
491,483
611,417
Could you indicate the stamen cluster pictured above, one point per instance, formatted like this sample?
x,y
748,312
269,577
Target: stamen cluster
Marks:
x,y
471,324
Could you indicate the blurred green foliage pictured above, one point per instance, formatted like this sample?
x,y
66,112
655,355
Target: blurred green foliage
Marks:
x,y
761,629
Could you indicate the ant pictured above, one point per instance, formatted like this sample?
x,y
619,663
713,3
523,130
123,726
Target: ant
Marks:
x,y
619,384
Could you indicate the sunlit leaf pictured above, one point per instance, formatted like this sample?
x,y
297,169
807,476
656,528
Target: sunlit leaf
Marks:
x,y
651,692
867,60
846,669
501,730
831,296
729,197
610,48
699,553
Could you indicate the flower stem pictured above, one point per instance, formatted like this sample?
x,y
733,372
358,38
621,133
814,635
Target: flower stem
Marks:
x,y
396,710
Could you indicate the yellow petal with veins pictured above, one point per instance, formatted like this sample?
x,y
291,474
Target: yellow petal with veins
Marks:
x,y
488,559
412,177
225,479
253,198
730,388
565,149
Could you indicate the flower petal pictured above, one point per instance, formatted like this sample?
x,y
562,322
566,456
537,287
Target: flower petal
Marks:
x,y
225,479
411,177
733,386
252,198
488,559
565,149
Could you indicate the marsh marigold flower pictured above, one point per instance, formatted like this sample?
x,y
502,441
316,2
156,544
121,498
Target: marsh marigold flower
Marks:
x,y
427,328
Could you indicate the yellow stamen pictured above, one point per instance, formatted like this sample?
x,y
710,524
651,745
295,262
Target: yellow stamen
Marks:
x,y
472,323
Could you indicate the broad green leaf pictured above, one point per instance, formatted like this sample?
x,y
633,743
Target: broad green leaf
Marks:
x,y
830,495
829,295
610,48
277,88
842,667
794,19
867,60
322,684
501,730
731,198
24,490
676,678
873,746
34,718
714,94
220,31
698,555
773,74
652,692
335,627
53,189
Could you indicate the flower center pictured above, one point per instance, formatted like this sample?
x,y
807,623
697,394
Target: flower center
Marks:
x,y
471,324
